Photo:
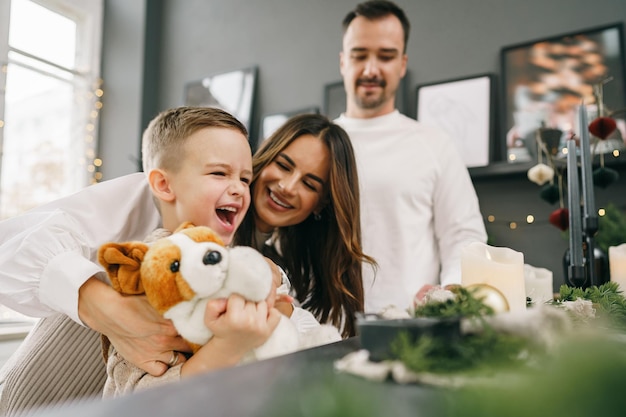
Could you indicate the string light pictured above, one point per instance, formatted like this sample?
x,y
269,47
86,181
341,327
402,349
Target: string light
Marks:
x,y
530,220
95,163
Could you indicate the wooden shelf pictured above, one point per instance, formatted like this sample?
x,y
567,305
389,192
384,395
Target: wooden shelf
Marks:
x,y
500,169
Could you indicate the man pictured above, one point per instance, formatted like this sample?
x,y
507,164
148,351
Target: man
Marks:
x,y
418,204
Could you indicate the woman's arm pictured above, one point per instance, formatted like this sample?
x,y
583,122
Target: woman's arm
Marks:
x,y
48,253
138,332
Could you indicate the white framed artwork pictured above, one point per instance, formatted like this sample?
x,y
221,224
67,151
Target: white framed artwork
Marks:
x,y
464,108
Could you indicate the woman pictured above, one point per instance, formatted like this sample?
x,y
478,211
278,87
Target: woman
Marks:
x,y
305,216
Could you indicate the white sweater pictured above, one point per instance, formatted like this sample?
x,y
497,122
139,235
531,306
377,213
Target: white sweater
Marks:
x,y
418,207
47,253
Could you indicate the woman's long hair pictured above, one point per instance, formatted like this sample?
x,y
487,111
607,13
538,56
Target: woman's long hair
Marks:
x,y
322,256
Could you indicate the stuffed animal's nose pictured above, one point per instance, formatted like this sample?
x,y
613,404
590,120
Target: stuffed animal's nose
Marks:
x,y
212,257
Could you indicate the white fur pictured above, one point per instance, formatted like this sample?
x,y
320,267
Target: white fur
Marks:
x,y
242,271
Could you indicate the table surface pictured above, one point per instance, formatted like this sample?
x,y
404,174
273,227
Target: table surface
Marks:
x,y
302,383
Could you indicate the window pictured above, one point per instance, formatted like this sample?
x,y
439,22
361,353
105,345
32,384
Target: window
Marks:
x,y
49,100
50,92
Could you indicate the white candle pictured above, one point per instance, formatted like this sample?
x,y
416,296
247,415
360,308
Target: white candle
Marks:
x,y
501,268
575,227
538,284
617,265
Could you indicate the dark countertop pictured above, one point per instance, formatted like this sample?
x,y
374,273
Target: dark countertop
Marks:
x,y
303,383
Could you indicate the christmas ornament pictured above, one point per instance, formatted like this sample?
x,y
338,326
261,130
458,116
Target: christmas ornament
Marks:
x,y
560,218
540,174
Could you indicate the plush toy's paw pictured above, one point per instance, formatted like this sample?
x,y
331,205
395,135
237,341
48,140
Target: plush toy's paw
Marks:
x,y
322,335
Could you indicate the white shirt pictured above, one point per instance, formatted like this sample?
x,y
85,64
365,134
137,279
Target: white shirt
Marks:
x,y
418,207
47,253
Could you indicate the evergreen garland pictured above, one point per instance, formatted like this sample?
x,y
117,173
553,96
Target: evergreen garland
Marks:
x,y
477,352
607,299
465,304
488,351
611,228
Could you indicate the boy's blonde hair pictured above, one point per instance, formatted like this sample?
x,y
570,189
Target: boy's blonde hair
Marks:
x,y
163,140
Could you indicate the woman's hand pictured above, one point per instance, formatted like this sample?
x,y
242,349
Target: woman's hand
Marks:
x,y
282,302
137,331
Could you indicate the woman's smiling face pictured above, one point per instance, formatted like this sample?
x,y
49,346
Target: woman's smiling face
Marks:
x,y
293,185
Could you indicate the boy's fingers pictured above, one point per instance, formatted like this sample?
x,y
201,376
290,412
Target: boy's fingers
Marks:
x,y
216,308
273,319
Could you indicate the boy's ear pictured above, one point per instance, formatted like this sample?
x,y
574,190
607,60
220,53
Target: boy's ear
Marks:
x,y
160,185
122,262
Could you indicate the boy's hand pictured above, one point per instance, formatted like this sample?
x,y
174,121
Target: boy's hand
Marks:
x,y
239,325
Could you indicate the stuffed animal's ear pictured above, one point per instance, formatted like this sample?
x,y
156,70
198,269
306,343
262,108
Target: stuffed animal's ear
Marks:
x,y
122,262
185,225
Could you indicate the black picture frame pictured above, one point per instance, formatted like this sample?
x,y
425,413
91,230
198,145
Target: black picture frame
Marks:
x,y
335,98
271,122
233,91
464,108
545,81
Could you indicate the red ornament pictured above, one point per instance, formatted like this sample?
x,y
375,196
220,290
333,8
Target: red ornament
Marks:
x,y
602,127
560,218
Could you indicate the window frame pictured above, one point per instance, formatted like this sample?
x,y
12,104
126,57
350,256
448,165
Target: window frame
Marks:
x,y
88,16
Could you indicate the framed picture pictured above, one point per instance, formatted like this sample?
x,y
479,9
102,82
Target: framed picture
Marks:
x,y
464,108
232,91
271,122
335,98
545,81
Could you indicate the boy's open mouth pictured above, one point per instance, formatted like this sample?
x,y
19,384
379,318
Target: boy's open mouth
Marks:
x,y
226,214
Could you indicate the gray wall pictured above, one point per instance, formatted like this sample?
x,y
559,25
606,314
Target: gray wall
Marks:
x,y
122,73
152,48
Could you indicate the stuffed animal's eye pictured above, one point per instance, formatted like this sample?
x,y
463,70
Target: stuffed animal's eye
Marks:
x,y
212,257
175,266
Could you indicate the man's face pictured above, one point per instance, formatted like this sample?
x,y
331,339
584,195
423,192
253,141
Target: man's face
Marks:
x,y
372,64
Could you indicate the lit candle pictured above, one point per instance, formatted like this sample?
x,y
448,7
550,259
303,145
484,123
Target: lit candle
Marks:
x,y
617,265
538,282
589,208
501,268
575,228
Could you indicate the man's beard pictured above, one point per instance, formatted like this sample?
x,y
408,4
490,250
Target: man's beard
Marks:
x,y
371,101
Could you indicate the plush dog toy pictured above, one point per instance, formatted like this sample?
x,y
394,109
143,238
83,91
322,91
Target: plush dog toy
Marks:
x,y
181,272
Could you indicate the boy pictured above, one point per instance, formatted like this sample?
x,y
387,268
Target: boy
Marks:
x,y
199,166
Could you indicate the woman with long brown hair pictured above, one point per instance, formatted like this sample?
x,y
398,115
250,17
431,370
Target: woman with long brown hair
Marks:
x,y
305,216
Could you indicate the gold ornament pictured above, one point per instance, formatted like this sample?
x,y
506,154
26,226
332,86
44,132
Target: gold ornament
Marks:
x,y
491,296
